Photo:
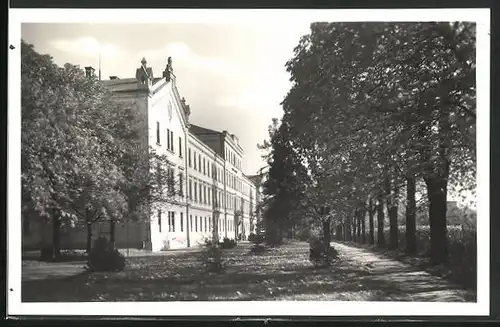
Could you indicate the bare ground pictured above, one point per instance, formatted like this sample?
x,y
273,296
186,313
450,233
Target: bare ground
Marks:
x,y
281,274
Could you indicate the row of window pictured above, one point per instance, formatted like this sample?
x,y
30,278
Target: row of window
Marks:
x,y
198,224
202,165
170,139
202,193
233,158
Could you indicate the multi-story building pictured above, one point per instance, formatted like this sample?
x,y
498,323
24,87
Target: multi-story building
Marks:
x,y
213,190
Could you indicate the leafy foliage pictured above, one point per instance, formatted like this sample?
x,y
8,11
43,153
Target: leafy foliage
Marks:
x,y
373,104
82,156
228,243
104,257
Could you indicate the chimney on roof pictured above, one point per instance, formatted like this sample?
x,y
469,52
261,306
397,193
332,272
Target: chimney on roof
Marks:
x,y
89,71
113,77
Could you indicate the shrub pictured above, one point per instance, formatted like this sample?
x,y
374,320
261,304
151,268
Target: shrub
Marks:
x,y
227,243
256,239
258,249
320,255
211,258
207,242
104,257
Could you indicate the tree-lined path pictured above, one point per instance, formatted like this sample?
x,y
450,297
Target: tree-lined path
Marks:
x,y
401,281
283,274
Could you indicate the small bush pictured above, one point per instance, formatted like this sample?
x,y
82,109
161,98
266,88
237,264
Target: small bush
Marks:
x,y
256,239
258,249
104,257
208,242
211,258
228,244
320,255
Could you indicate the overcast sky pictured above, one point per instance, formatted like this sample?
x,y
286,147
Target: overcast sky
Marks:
x,y
233,76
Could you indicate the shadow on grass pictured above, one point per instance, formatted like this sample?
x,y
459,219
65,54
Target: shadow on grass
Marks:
x,y
284,274
459,272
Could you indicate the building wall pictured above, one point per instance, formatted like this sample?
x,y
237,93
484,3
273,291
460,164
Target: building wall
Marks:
x,y
186,220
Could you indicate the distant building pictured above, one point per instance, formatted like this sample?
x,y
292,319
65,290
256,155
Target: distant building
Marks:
x,y
207,165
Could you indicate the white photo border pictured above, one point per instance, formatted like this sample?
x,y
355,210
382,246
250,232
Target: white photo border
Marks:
x,y
239,308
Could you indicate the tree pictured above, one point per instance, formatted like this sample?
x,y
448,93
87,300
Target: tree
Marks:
x,y
81,150
351,108
284,186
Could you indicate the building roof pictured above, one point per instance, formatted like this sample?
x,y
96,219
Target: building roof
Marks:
x,y
126,84
198,130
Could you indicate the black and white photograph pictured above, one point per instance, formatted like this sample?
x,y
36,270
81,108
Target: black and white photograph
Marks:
x,y
188,161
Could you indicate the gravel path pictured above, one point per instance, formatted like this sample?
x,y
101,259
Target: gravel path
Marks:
x,y
399,281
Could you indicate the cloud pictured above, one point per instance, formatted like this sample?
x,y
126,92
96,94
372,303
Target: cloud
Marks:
x,y
182,55
85,46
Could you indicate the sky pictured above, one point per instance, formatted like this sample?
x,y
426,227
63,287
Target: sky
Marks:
x,y
233,76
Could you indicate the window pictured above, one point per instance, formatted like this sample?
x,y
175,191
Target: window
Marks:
x,y
209,197
168,139
194,159
191,222
181,184
195,192
157,132
199,163
204,171
171,181
209,224
206,224
201,199
189,157
182,222
171,221
172,141
195,223
159,221
204,194
190,189
180,146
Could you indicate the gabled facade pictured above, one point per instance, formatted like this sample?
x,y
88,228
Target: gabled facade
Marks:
x,y
207,165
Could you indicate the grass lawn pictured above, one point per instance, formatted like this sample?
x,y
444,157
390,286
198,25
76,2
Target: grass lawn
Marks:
x,y
283,273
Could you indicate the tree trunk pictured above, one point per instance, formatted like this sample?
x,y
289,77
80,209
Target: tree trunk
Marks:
x,y
411,206
326,233
358,227
370,221
56,234
392,211
112,233
348,226
380,222
363,225
338,233
89,230
215,227
437,195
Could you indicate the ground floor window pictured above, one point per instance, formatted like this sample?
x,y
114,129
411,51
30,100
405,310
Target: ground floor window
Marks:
x,y
171,221
195,223
191,222
182,222
159,221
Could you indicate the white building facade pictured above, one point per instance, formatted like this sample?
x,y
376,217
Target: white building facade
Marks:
x,y
212,190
